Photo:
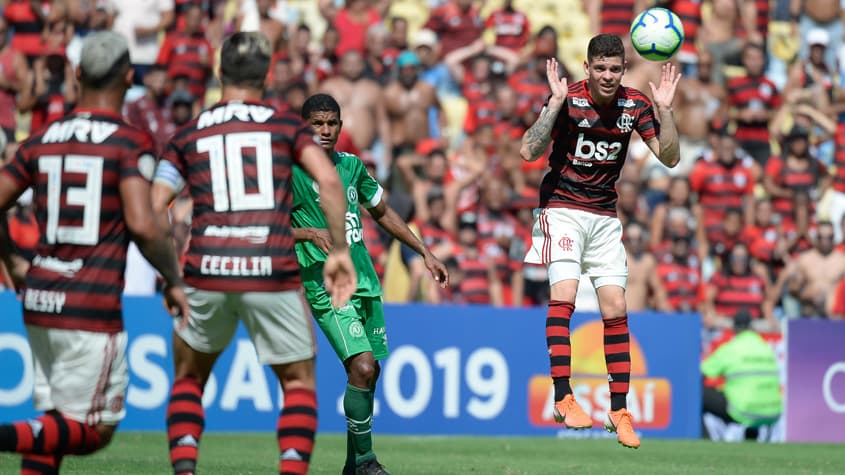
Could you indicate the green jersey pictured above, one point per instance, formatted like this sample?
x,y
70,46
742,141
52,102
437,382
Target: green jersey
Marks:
x,y
752,378
360,188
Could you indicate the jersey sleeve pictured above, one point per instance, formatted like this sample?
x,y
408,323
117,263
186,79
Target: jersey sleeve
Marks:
x,y
171,168
714,365
139,160
20,169
647,125
369,190
773,169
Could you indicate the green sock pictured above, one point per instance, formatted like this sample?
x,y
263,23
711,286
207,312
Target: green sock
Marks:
x,y
357,404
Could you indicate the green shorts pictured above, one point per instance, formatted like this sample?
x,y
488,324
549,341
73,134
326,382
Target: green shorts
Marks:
x,y
355,328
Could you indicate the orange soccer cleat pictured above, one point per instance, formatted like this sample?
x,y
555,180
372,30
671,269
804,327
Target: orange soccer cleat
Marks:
x,y
620,422
569,413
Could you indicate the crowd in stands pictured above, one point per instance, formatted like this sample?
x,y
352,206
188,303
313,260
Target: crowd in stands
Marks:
x,y
435,96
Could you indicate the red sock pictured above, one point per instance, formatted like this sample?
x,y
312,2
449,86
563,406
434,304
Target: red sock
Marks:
x,y
617,355
53,434
560,351
32,464
295,431
185,422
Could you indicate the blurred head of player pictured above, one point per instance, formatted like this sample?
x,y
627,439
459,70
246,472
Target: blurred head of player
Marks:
x,y
322,113
104,71
604,67
244,62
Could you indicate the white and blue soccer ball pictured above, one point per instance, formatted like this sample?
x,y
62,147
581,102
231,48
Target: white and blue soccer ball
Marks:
x,y
657,34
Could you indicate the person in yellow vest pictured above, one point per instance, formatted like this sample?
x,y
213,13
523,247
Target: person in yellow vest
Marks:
x,y
751,395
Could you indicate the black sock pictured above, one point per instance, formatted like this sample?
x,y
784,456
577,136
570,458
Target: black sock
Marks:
x,y
562,388
618,401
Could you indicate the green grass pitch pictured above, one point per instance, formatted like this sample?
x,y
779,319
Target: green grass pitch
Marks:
x,y
139,453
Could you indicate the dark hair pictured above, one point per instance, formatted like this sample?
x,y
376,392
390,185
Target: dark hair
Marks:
x,y
320,103
245,60
605,45
742,320
303,27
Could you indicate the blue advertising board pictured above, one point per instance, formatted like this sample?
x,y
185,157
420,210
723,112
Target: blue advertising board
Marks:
x,y
452,370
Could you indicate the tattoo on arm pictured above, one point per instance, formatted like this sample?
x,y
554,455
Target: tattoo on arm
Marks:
x,y
538,137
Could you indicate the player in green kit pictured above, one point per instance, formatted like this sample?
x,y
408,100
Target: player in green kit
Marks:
x,y
356,331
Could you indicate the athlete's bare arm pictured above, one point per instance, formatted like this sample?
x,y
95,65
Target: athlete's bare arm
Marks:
x,y
666,147
387,218
536,139
154,236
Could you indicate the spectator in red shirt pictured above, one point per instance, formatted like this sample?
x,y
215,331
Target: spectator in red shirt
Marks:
x,y
511,27
480,284
353,21
27,19
754,99
742,284
457,24
797,171
13,74
679,273
187,53
150,111
721,183
766,239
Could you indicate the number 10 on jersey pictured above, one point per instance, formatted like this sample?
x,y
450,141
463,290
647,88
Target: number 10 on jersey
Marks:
x,y
226,161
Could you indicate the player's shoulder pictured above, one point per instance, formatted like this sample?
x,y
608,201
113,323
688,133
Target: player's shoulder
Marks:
x,y
632,97
578,89
348,160
91,127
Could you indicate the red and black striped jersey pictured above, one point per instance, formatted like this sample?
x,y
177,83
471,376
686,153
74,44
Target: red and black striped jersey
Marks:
x,y
375,244
475,284
616,16
590,146
188,55
738,292
27,26
784,176
689,11
755,93
236,160
76,166
719,188
682,284
512,28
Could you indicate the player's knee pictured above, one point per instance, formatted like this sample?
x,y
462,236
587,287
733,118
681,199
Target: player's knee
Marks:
x,y
614,306
362,371
106,432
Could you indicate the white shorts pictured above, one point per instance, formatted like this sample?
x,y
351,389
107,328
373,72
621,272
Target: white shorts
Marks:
x,y
279,323
572,242
81,374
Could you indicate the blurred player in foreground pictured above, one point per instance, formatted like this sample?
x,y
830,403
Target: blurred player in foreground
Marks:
x,y
237,159
577,230
356,331
91,172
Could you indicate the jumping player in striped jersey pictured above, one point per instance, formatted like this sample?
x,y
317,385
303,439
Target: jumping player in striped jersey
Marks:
x,y
236,160
577,231
91,173
356,331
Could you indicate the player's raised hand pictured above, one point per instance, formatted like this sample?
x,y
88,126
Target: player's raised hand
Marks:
x,y
664,93
340,277
557,84
176,303
437,269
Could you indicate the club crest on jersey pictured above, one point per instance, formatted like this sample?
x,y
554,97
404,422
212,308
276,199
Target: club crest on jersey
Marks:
x,y
625,122
352,195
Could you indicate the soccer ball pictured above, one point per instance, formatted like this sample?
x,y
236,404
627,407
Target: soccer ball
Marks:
x,y
657,34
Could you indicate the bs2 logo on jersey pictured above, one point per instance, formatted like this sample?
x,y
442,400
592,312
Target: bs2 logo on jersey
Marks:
x,y
649,399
